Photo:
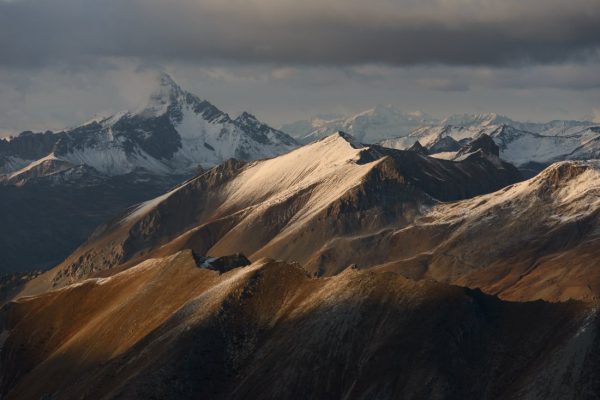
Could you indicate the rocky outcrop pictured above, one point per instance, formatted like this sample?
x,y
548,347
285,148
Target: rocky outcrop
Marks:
x,y
222,264
443,144
483,143
418,148
29,145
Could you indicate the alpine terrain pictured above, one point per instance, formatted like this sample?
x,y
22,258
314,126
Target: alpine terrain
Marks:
x,y
342,251
336,270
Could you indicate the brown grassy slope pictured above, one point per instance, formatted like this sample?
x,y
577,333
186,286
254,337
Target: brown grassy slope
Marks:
x,y
538,239
167,329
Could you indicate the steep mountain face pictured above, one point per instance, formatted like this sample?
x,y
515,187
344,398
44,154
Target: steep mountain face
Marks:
x,y
336,202
483,143
418,148
443,144
369,126
288,207
521,147
536,239
171,329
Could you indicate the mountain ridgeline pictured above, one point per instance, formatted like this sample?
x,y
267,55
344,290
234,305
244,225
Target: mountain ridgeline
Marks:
x,y
170,329
289,206
337,270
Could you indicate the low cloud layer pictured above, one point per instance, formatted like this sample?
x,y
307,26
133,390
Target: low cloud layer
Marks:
x,y
52,98
310,32
62,61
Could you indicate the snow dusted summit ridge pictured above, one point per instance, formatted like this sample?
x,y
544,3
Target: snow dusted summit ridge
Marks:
x,y
173,133
528,145
370,126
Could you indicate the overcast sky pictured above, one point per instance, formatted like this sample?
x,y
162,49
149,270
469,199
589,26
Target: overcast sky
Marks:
x,y
62,61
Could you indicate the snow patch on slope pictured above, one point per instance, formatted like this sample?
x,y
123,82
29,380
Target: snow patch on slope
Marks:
x,y
49,157
369,126
575,196
543,149
328,168
203,142
114,160
12,164
144,208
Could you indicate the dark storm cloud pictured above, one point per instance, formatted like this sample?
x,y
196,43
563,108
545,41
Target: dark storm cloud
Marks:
x,y
309,32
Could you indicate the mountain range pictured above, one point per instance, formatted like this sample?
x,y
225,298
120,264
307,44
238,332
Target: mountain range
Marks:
x,y
331,188
135,155
370,126
530,146
185,254
338,269
337,202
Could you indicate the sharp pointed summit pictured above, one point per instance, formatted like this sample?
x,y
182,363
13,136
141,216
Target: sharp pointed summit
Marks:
x,y
418,148
484,144
165,93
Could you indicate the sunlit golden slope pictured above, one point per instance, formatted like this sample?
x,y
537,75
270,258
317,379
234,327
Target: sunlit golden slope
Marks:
x,y
288,207
168,329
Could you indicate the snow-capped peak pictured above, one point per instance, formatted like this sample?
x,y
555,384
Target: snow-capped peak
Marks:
x,y
173,133
480,119
369,126
348,138
330,159
572,186
166,93
246,116
248,120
